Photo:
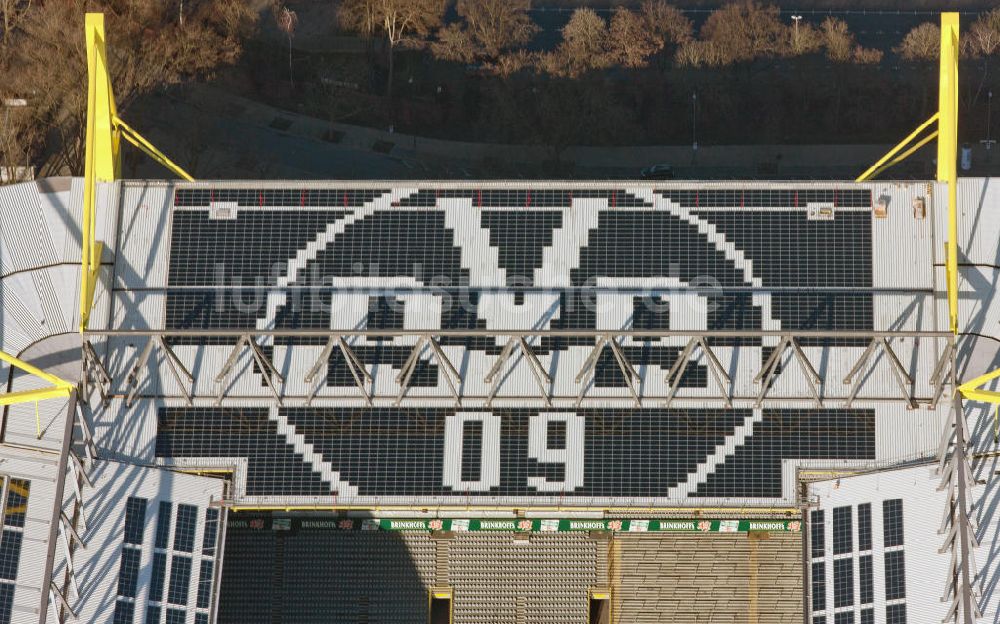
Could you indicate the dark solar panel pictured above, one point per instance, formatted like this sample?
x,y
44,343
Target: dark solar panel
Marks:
x,y
844,617
866,580
159,577
273,465
242,250
390,451
10,553
790,250
769,198
865,527
843,582
895,575
17,502
6,602
868,616
555,434
185,528
755,468
817,532
124,612
843,531
176,616
521,239
200,618
819,586
128,572
797,253
180,580
205,583
472,450
892,522
895,614
279,197
211,532
163,525
153,614
135,520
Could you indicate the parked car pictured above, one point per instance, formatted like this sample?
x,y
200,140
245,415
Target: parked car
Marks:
x,y
658,172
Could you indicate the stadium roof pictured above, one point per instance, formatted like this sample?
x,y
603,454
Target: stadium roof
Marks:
x,y
580,345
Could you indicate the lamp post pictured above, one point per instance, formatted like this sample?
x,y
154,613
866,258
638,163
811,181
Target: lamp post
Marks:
x,y
9,171
795,31
988,142
694,121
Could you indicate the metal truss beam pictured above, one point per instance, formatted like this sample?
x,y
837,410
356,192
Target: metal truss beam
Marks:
x,y
517,345
174,365
772,368
59,388
542,378
957,523
903,379
267,369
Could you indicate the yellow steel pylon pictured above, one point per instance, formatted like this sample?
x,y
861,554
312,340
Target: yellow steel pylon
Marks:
x,y
59,387
102,162
947,151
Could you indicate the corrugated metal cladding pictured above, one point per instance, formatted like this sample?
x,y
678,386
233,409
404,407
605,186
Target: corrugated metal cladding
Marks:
x,y
883,528
173,528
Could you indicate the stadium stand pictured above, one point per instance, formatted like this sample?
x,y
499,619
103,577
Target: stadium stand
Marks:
x,y
494,401
440,377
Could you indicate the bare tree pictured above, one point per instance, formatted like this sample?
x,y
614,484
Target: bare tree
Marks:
x,y
804,39
837,39
697,53
497,25
923,43
983,38
867,56
983,41
286,20
667,22
12,11
19,139
631,42
146,50
744,31
584,46
511,63
360,16
453,43
399,21
488,28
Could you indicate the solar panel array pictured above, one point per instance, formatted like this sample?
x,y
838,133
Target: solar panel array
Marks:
x,y
14,514
617,453
853,566
251,258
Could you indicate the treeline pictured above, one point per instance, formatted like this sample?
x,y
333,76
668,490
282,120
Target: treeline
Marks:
x,y
151,44
497,35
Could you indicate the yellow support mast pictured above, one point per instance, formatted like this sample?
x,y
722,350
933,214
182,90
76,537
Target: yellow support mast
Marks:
x,y
947,144
102,162
946,119
101,157
59,388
